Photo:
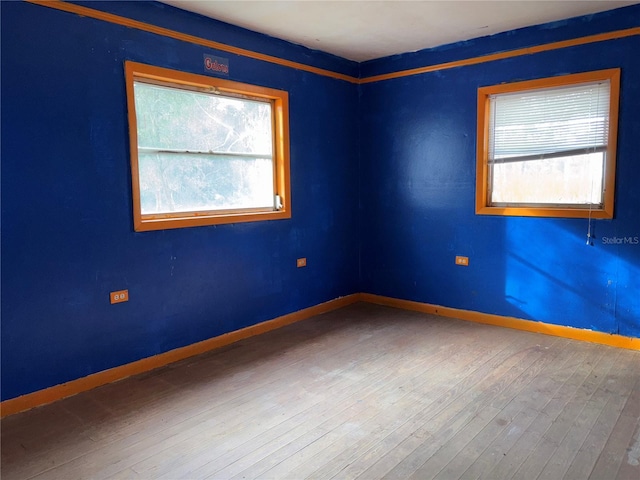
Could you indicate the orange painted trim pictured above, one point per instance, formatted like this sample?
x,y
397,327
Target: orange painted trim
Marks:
x,y
610,172
118,20
279,100
58,392
600,37
541,212
482,153
146,27
482,149
612,340
150,224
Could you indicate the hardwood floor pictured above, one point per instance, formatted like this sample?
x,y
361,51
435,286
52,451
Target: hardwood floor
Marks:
x,y
363,392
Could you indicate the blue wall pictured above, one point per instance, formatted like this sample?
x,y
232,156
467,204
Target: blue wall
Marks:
x,y
418,153
383,179
67,231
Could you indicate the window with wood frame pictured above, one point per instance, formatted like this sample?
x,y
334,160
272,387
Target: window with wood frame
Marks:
x,y
547,147
205,150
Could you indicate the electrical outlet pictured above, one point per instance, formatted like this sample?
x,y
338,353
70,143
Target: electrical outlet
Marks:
x,y
301,262
462,261
119,296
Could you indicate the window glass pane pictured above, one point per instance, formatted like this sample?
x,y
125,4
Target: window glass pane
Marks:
x,y
204,150
171,183
177,119
575,179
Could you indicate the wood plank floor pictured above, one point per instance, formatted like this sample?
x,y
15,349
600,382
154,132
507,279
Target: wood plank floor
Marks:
x,y
363,392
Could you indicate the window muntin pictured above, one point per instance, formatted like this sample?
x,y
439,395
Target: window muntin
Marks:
x,y
547,147
205,150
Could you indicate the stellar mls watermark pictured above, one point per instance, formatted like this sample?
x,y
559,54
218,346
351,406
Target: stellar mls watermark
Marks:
x,y
620,240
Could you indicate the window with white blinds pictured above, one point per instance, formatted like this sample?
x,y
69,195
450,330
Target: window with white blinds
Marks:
x,y
547,146
547,123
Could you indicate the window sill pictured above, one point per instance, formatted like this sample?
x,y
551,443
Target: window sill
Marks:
x,y
544,212
163,222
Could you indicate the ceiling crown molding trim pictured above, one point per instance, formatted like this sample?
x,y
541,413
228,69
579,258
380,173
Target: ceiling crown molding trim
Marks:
x,y
166,32
127,22
600,37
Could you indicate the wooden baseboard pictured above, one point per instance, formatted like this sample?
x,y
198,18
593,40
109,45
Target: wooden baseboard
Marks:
x,y
57,392
509,322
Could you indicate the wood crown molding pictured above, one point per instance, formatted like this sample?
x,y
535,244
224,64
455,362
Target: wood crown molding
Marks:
x,y
127,22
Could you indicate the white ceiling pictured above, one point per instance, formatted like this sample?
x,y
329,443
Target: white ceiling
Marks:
x,y
364,30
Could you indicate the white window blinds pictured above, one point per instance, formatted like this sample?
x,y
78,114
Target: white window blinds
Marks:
x,y
549,123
